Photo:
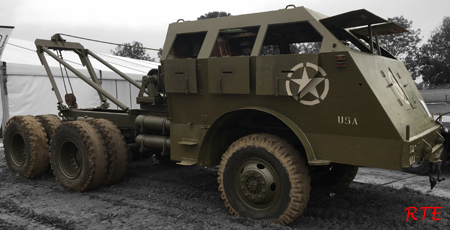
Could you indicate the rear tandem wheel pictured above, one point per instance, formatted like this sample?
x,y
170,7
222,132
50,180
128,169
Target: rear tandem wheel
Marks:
x,y
117,150
50,122
26,148
78,156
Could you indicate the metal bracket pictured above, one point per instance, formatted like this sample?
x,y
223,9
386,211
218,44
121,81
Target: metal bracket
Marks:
x,y
435,167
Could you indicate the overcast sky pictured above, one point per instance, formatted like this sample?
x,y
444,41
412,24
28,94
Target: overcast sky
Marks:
x,y
146,21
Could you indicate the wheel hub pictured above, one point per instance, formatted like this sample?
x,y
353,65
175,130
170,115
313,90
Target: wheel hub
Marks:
x,y
75,161
19,154
257,183
253,185
70,159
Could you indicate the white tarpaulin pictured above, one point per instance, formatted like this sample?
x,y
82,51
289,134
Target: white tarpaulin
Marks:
x,y
5,32
26,89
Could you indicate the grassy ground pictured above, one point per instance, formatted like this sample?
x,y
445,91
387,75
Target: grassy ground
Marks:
x,y
437,100
365,206
436,95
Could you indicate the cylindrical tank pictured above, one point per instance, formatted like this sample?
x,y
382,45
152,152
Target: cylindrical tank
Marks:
x,y
153,123
153,141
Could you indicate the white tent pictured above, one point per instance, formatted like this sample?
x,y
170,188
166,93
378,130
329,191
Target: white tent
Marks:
x,y
26,90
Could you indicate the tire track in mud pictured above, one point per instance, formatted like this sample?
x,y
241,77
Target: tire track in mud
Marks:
x,y
187,191
151,196
33,220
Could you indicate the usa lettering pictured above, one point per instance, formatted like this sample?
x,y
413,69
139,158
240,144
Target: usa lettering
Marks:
x,y
347,120
411,211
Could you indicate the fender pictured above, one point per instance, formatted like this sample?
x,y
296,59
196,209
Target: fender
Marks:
x,y
312,160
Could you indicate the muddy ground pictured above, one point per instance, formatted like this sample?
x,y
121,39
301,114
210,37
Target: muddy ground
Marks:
x,y
151,196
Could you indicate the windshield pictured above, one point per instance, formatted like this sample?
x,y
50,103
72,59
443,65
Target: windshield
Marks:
x,y
360,29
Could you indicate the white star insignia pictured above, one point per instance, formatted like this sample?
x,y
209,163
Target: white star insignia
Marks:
x,y
307,85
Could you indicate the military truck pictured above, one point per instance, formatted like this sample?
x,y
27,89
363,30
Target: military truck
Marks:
x,y
281,101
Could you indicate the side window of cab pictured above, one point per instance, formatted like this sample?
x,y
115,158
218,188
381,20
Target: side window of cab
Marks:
x,y
288,51
186,45
180,65
229,62
235,42
291,38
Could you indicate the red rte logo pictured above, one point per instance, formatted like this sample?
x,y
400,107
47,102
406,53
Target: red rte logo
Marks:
x,y
412,210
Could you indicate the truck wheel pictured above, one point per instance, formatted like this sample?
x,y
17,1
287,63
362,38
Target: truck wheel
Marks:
x,y
263,177
78,156
444,157
337,177
116,149
50,122
26,148
421,167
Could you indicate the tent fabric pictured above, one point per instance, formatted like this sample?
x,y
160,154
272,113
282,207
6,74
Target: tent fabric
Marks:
x,y
24,52
26,89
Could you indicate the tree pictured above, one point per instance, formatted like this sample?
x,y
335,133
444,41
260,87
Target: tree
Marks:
x,y
404,46
295,48
435,56
132,50
160,53
214,14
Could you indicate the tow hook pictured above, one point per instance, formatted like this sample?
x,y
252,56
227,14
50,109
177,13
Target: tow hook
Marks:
x,y
435,168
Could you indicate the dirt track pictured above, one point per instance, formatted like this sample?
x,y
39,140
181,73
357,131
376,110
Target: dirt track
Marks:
x,y
151,196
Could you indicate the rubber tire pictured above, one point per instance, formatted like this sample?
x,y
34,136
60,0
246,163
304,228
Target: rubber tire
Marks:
x,y
444,157
116,148
92,163
291,194
25,133
337,178
424,166
50,122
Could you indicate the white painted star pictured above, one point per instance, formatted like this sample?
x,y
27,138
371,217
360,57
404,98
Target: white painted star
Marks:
x,y
312,87
302,82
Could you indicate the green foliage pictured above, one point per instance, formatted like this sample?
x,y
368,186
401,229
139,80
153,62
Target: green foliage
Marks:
x,y
419,85
296,48
214,14
307,47
132,50
160,53
435,56
404,46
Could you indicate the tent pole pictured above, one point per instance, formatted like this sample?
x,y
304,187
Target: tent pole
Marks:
x,y
4,97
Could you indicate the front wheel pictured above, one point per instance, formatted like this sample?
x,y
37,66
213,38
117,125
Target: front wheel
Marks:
x,y
422,167
261,176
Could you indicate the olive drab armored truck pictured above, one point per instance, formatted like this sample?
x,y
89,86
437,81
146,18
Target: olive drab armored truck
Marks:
x,y
281,100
